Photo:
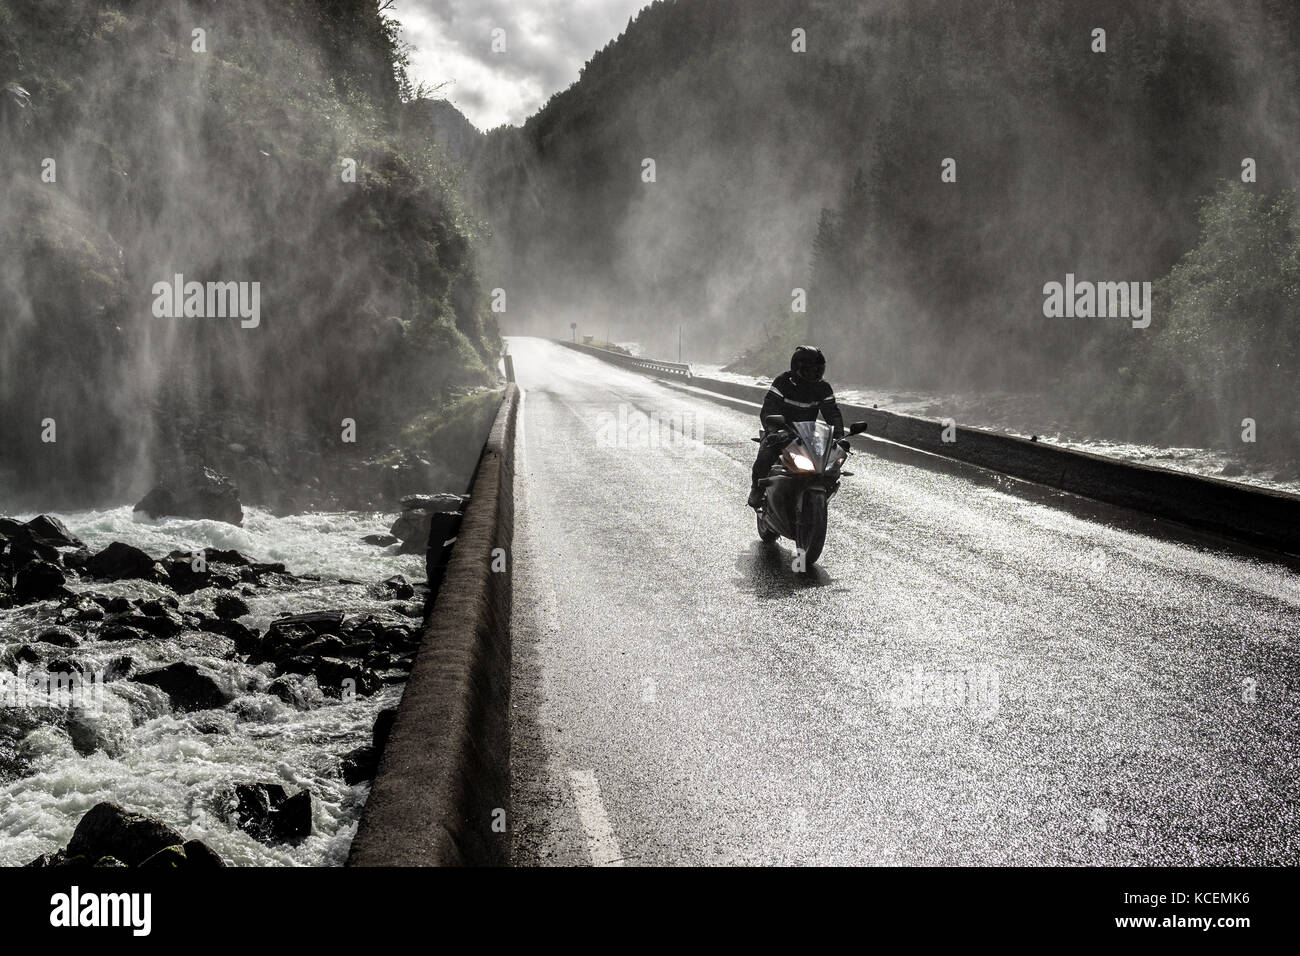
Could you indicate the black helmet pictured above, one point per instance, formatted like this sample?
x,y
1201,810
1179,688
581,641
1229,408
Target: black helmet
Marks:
x,y
808,363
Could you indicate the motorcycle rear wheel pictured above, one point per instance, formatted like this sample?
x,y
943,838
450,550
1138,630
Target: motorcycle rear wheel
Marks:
x,y
810,526
766,533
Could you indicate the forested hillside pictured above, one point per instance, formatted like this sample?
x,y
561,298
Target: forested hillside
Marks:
x,y
214,140
821,170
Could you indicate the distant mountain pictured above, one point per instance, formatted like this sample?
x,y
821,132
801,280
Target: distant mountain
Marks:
x,y
802,144
452,131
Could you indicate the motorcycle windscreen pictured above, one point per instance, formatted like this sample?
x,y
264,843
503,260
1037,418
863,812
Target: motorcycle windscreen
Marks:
x,y
815,438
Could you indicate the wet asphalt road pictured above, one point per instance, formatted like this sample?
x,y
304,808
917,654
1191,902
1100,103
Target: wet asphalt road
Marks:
x,y
969,677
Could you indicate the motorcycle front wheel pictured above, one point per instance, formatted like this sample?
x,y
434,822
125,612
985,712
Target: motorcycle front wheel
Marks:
x,y
810,526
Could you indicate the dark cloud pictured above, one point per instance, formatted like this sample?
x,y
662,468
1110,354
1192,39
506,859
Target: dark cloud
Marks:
x,y
547,42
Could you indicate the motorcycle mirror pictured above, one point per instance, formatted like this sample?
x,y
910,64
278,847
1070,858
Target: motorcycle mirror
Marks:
x,y
857,428
775,422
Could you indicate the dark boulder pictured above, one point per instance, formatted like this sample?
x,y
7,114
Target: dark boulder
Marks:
x,y
168,858
166,624
191,855
288,691
228,607
197,493
201,856
245,638
120,561
318,622
108,829
119,668
359,765
59,637
398,586
339,678
383,728
416,526
118,631
381,540
269,815
188,686
38,581
52,531
28,548
76,560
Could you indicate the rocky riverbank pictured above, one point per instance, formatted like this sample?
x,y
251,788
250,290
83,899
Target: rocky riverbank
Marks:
x,y
238,694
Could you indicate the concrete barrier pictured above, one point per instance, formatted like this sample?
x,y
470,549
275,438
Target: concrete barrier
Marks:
x,y
441,796
1257,516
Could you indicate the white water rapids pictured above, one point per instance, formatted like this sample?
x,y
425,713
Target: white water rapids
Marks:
x,y
176,767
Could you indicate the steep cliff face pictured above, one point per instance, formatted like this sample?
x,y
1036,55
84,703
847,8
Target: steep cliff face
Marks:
x,y
260,145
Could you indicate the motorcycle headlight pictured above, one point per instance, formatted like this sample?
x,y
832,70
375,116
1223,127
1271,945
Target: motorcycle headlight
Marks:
x,y
803,463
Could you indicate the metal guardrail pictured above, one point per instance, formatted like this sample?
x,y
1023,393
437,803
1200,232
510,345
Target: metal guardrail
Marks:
x,y
632,361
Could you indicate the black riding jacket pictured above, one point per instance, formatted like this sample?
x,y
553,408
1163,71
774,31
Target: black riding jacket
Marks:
x,y
800,401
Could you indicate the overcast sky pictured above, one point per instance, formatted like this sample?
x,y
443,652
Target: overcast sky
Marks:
x,y
547,42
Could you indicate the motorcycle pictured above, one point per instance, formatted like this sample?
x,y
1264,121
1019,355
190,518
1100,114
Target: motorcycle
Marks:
x,y
799,486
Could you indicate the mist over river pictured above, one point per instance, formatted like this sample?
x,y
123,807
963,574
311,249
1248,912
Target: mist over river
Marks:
x,y
180,767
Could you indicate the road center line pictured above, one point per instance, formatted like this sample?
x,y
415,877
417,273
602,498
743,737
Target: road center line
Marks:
x,y
602,844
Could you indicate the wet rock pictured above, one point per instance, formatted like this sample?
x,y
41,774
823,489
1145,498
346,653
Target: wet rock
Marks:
x,y
181,576
384,721
201,856
27,655
64,665
269,815
380,540
444,528
230,556
339,678
52,531
168,624
316,622
288,691
245,638
24,547
119,668
359,765
439,502
399,587
38,581
188,686
197,493
168,858
82,609
120,561
108,829
117,631
59,637
416,525
76,560
327,646
228,607
90,735
158,606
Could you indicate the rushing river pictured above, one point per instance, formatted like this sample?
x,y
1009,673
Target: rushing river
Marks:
x,y
179,767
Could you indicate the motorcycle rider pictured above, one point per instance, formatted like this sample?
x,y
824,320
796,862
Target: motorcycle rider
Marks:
x,y
799,394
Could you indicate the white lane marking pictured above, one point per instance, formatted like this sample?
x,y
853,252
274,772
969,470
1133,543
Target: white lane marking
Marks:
x,y
601,842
